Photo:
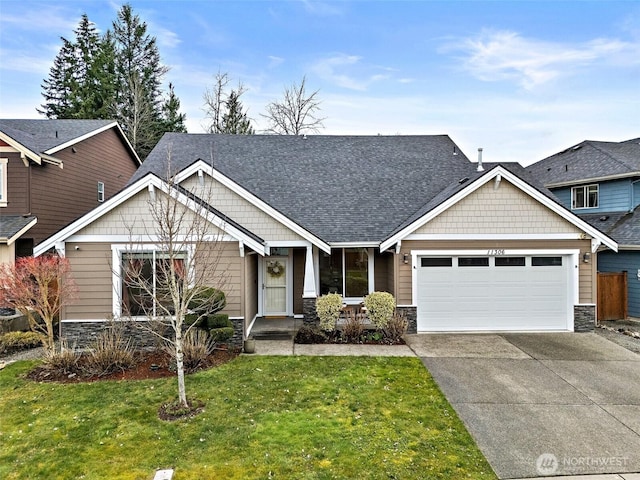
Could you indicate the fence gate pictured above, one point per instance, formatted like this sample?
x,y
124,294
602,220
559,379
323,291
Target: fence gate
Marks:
x,y
612,295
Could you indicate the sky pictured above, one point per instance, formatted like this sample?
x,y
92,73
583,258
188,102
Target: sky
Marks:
x,y
521,79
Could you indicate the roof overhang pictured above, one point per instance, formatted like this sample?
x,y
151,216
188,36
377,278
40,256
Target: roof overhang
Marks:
x,y
149,182
19,233
202,166
582,181
31,155
597,236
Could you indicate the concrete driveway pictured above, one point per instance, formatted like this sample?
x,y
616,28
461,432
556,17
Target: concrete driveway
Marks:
x,y
542,404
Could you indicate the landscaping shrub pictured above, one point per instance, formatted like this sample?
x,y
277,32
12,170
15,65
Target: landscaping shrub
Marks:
x,y
328,308
308,334
207,301
197,346
396,328
110,352
17,341
219,320
380,308
65,361
353,327
221,335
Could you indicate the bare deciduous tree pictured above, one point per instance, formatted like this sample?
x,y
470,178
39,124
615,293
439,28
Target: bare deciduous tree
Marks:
x,y
295,114
179,260
223,108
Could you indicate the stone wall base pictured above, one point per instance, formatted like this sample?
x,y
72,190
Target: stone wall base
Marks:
x,y
309,311
584,318
410,312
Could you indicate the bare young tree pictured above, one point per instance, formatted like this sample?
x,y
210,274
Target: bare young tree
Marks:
x,y
179,261
222,107
295,114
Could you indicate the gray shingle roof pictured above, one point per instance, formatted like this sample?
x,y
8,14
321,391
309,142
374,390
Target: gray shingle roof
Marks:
x,y
12,224
623,227
42,135
340,188
589,160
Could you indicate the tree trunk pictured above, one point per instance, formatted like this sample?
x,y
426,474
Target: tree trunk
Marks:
x,y
182,393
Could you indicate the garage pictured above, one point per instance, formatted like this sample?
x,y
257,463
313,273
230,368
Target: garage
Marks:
x,y
495,291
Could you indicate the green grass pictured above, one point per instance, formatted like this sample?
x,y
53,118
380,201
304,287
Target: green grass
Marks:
x,y
265,417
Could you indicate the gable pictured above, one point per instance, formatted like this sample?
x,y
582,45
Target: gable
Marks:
x,y
133,218
502,210
240,209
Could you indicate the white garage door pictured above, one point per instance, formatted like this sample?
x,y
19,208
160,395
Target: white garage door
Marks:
x,y
503,293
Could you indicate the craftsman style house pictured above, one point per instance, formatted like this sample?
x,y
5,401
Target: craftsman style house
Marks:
x,y
600,182
462,246
54,171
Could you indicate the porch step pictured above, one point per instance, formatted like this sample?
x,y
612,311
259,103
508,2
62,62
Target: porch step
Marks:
x,y
272,335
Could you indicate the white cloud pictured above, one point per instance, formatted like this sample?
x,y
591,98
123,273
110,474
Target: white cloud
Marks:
x,y
333,70
32,20
321,8
275,61
17,61
506,55
165,37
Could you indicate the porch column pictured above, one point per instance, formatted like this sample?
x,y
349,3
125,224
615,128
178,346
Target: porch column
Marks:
x,y
309,291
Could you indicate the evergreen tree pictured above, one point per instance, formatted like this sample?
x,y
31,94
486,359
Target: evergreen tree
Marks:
x,y
234,120
173,120
59,87
139,76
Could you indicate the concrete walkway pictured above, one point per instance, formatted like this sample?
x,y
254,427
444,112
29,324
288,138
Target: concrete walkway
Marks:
x,y
287,347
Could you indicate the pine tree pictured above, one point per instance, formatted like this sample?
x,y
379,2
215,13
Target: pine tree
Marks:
x,y
139,76
234,120
173,120
59,86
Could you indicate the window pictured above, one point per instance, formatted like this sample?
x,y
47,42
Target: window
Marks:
x,y
509,261
100,192
473,261
546,261
3,181
584,197
346,271
145,285
436,261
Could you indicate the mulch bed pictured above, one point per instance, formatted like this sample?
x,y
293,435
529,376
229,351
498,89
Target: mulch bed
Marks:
x,y
148,365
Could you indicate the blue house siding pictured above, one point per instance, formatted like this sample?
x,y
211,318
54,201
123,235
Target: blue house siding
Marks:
x,y
613,196
636,193
625,260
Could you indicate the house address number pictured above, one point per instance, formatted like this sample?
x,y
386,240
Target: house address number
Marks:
x,y
495,252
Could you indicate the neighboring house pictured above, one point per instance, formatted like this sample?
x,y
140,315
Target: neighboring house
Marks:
x,y
600,182
460,249
54,171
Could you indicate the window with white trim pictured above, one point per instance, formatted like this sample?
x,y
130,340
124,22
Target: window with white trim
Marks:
x,y
100,192
347,271
3,181
146,277
585,196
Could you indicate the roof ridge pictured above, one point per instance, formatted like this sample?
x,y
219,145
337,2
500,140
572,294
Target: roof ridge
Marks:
x,y
592,143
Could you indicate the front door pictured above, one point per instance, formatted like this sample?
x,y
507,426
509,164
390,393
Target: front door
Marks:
x,y
275,291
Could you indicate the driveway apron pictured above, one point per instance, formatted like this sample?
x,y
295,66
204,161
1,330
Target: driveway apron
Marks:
x,y
541,404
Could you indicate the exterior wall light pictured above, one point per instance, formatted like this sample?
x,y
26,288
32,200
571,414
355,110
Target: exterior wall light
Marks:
x,y
586,258
405,258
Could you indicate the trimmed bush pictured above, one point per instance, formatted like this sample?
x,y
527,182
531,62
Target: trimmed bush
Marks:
x,y
222,334
193,318
328,308
380,308
17,341
207,301
218,320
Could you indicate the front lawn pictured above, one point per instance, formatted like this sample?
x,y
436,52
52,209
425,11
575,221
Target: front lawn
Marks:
x,y
265,417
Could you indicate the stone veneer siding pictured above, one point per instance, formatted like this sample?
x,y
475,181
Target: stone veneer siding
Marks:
x,y
81,334
410,312
584,318
309,311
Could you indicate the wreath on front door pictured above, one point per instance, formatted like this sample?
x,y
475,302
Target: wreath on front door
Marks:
x,y
275,268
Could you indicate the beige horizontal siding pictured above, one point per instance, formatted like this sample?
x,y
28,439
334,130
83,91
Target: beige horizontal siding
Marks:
x,y
240,210
506,209
91,269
